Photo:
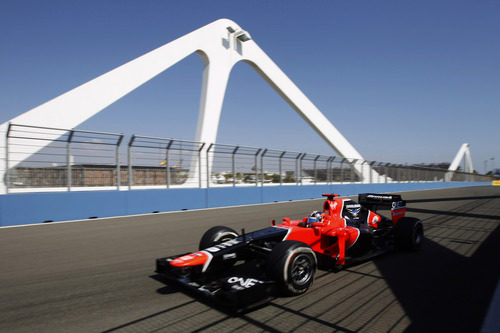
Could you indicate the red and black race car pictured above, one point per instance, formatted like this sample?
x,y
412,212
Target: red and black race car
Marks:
x,y
243,270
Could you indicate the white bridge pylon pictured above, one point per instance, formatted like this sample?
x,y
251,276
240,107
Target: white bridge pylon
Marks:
x,y
463,153
221,44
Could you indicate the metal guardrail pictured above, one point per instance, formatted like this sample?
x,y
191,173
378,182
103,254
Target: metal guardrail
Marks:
x,y
162,161
74,158
241,161
78,159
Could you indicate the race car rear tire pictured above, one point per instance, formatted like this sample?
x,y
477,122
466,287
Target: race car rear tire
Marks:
x,y
409,233
292,264
216,235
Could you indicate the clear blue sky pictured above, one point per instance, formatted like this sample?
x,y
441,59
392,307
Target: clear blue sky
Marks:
x,y
403,81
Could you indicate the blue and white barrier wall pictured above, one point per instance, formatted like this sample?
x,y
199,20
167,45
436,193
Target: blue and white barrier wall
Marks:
x,y
31,208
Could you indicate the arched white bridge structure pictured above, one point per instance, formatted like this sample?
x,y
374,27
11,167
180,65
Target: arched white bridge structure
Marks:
x,y
462,154
221,44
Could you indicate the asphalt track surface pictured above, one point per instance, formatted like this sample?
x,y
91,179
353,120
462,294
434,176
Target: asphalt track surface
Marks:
x,y
97,275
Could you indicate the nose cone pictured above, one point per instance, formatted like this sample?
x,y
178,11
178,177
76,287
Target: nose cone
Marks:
x,y
193,259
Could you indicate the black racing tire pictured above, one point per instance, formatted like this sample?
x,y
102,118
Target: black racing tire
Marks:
x,y
216,235
409,233
292,264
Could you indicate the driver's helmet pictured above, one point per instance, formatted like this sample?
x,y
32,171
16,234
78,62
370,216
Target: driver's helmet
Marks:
x,y
314,217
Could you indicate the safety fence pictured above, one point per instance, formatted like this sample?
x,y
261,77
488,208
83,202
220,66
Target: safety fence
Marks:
x,y
41,158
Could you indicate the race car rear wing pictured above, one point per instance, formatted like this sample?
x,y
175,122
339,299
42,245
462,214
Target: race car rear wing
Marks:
x,y
375,201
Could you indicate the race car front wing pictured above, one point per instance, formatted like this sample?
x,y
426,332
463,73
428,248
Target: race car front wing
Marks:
x,y
236,289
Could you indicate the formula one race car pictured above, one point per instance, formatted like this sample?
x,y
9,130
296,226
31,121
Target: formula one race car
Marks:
x,y
245,270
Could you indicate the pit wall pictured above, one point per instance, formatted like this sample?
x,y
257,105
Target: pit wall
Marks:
x,y
31,208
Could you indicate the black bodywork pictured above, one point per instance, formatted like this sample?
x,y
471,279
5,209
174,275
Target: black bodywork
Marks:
x,y
234,288
236,278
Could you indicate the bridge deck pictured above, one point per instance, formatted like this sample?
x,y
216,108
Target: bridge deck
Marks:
x,y
96,275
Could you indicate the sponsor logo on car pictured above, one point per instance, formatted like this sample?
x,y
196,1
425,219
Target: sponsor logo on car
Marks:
x,y
352,206
241,283
229,256
222,246
398,204
380,197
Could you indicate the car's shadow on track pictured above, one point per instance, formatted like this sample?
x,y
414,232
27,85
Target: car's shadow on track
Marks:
x,y
448,285
484,197
230,310
441,290
168,289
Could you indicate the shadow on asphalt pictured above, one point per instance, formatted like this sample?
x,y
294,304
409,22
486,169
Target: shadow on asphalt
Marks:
x,y
149,317
442,290
449,213
439,289
484,197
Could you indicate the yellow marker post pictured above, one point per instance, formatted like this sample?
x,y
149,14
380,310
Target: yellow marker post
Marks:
x,y
495,183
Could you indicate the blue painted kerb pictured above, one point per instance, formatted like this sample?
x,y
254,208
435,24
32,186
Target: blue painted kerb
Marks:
x,y
30,208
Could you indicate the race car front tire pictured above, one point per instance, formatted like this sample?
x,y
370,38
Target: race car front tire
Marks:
x,y
409,233
292,264
216,235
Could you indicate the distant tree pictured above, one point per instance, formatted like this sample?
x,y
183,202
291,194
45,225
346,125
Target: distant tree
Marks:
x,y
289,178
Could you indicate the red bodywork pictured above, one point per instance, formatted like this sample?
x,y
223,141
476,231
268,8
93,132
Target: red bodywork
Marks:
x,y
332,236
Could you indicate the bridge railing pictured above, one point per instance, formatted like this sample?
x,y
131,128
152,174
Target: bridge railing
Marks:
x,y
73,159
229,164
83,160
153,161
280,167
